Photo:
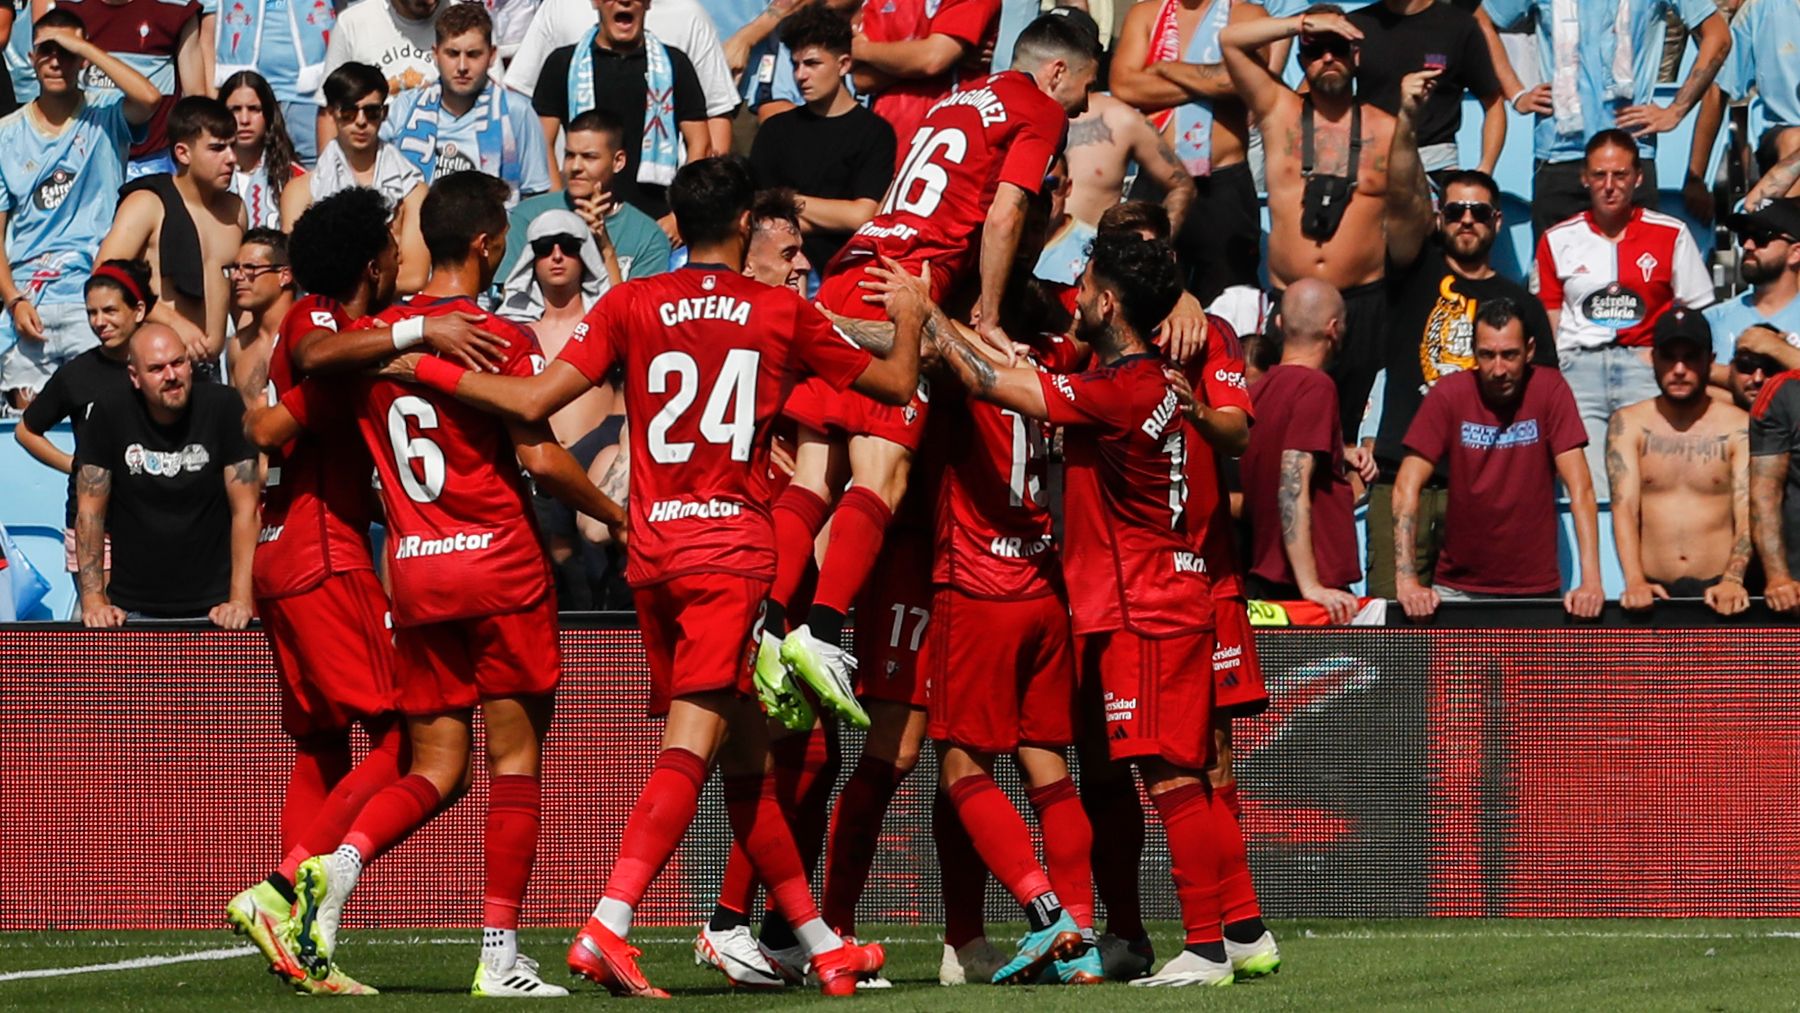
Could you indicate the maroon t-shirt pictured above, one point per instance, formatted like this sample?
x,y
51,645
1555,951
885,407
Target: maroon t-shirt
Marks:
x,y
1297,409
1500,524
145,34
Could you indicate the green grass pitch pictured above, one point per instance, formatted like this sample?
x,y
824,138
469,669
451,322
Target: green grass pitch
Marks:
x,y
1557,966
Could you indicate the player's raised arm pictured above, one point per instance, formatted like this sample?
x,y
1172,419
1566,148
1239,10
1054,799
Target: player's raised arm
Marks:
x,y
1014,387
894,377
457,336
521,399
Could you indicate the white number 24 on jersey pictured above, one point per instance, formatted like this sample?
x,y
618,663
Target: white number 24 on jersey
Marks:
x,y
727,419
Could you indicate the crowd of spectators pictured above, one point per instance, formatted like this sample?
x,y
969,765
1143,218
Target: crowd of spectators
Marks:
x,y
153,154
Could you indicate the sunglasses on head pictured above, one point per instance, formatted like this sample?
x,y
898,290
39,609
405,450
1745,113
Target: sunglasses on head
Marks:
x,y
1313,47
570,245
375,111
1749,362
1482,212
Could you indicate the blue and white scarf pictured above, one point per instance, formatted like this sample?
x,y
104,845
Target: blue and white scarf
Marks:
x,y
1193,120
240,32
660,154
497,150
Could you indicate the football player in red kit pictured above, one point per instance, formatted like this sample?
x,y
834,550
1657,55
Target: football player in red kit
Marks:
x,y
324,612
474,615
709,356
969,172
1141,602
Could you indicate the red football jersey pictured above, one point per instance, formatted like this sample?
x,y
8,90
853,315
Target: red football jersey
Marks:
x,y
317,501
972,22
1000,129
709,357
1217,377
462,538
1128,560
994,531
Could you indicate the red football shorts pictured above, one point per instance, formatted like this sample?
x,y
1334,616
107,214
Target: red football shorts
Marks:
x,y
1155,694
815,405
893,615
1238,690
333,651
700,634
454,665
1002,672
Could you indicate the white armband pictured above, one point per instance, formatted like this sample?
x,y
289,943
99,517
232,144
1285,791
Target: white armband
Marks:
x,y
407,333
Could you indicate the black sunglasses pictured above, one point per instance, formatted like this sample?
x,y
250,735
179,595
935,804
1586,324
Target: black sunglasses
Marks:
x,y
1749,362
1314,46
570,245
1482,212
1763,237
375,111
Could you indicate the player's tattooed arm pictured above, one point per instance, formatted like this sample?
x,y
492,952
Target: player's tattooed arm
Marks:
x,y
93,490
875,336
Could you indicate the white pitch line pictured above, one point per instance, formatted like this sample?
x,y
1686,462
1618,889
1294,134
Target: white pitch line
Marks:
x,y
135,963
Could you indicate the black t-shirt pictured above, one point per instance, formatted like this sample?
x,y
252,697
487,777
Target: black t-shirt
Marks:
x,y
167,514
848,157
70,394
1775,429
1395,45
619,89
1431,317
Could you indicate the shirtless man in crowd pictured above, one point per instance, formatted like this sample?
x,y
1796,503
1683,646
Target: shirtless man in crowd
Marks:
x,y
1103,142
1321,221
1679,465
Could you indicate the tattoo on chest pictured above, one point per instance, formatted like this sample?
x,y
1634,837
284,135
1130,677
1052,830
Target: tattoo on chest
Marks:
x,y
1094,131
1687,449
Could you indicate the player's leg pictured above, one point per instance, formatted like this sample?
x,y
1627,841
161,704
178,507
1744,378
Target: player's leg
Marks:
x,y
1068,846
1248,942
321,759
1183,802
820,465
1109,795
878,476
516,727
968,956
891,751
1004,843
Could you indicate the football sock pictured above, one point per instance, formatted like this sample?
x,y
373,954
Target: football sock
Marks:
x,y
499,947
1213,951
1193,859
724,919
662,814
758,825
331,820
776,933
736,892
283,885
394,812
1068,847
1237,893
615,915
1114,804
855,835
1000,836
799,514
320,761
857,526
806,769
350,856
963,876
817,937
515,802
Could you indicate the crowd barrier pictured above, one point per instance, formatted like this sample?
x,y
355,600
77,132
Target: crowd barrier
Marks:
x,y
1644,768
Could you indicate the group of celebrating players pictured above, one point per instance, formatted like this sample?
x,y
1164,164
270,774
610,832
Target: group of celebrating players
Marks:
x,y
976,626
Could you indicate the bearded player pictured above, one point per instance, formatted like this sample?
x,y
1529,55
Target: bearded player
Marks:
x,y
1141,602
475,619
709,356
324,612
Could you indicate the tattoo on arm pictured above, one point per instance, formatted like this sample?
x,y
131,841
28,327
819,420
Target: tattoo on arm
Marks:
x,y
1406,527
877,336
1768,474
1615,459
90,529
615,482
1698,80
243,472
975,369
1742,546
1292,488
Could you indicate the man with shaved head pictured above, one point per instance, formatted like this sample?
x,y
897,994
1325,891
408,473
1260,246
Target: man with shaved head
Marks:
x,y
167,472
1296,470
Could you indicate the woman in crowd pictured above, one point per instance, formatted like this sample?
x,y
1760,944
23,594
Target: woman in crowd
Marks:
x,y
265,152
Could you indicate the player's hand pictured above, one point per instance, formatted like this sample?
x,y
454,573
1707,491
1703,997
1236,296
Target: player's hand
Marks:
x,y
1727,597
1585,601
1416,600
620,531
999,345
1340,606
1326,23
1639,597
781,457
26,320
456,337
1783,596
1534,101
231,615
1182,337
892,288
1184,392
1415,88
99,614
403,367
1648,119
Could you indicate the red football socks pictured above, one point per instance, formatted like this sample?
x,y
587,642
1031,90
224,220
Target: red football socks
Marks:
x,y
320,762
394,812
805,772
1193,858
1237,893
758,825
1068,847
855,835
962,874
662,814
857,526
1114,804
799,514
1000,836
515,802
378,769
